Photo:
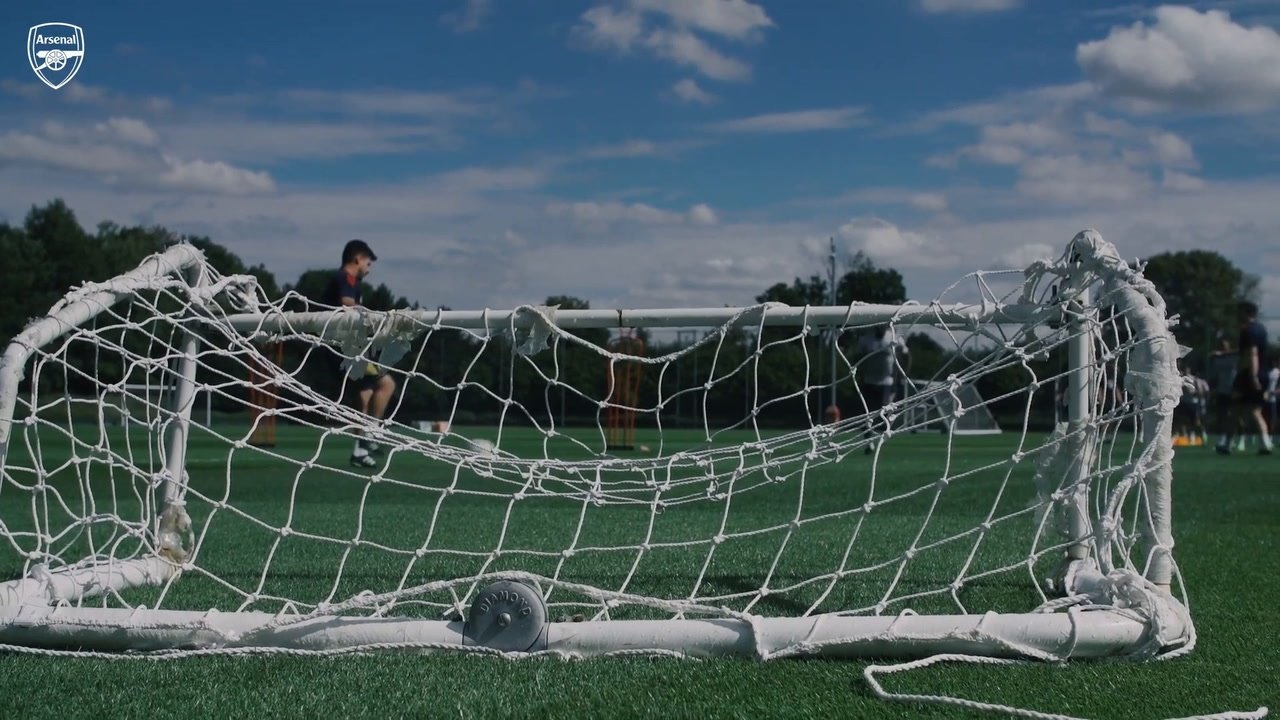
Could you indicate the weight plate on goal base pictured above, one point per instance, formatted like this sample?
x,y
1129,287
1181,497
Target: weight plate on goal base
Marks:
x,y
507,616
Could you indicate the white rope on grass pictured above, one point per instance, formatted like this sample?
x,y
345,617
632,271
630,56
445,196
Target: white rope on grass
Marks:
x,y
872,672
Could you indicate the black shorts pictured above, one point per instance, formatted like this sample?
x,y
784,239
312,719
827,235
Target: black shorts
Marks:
x,y
368,382
1249,390
875,397
1222,403
1187,409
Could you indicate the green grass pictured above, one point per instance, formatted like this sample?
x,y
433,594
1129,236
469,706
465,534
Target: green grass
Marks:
x,y
1225,525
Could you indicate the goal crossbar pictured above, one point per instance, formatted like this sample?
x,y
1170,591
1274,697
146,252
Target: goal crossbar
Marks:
x,y
769,315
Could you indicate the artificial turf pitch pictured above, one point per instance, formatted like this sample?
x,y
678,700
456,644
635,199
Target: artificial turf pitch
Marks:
x,y
1225,525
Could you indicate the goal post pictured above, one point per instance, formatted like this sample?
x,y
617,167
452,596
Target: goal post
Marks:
x,y
768,531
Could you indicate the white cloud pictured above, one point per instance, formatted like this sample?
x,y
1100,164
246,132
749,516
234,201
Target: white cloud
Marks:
x,y
609,212
123,152
1023,255
604,27
1034,135
82,93
674,30
1079,157
298,123
689,91
434,236
627,149
685,48
1072,179
737,19
1110,127
796,121
1172,151
934,202
887,244
25,150
214,177
1187,59
491,179
1269,302
702,214
1013,144
1011,107
266,141
1182,182
598,214
406,103
967,6
134,132
468,18
878,199
92,96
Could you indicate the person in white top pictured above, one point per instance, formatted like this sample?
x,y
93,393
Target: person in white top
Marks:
x,y
1189,414
885,356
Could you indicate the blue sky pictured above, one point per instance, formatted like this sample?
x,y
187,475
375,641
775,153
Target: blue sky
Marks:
x,y
660,152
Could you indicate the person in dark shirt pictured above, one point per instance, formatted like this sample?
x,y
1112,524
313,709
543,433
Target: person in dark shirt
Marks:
x,y
373,389
1250,377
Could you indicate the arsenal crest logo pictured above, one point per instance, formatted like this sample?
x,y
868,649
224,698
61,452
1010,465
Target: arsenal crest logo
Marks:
x,y
56,51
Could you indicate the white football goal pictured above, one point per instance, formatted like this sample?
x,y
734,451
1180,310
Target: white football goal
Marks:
x,y
751,527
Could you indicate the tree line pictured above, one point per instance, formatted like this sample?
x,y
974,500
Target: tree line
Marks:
x,y
50,253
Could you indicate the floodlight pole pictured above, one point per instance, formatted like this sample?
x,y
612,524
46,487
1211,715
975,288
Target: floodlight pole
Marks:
x,y
833,333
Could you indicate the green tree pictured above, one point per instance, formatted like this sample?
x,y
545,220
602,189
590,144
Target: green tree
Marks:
x,y
228,263
26,278
581,369
125,247
799,293
788,365
69,257
864,282
1202,288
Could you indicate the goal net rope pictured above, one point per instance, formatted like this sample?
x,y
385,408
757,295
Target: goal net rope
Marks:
x,y
740,501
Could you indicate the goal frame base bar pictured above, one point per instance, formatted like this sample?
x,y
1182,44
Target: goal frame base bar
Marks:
x,y
45,612
1090,634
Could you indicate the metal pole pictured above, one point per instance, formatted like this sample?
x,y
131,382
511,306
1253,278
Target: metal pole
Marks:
x,y
172,524
1081,389
831,294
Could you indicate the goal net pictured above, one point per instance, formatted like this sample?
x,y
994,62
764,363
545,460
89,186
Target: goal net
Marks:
x,y
739,520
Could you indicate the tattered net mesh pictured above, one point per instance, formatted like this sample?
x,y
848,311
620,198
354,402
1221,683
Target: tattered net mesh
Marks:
x,y
739,497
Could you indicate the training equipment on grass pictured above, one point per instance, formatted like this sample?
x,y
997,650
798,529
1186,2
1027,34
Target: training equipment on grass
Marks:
x,y
938,410
753,527
623,375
